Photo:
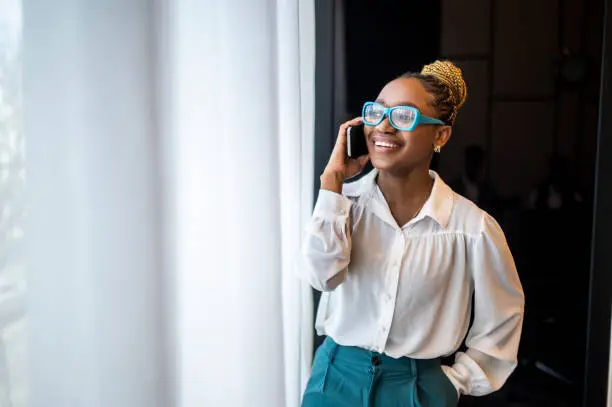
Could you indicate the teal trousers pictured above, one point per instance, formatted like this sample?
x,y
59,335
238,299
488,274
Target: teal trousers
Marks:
x,y
345,376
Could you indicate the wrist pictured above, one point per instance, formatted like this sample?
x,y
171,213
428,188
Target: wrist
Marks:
x,y
332,182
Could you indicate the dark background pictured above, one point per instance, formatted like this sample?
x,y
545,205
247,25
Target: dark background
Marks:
x,y
534,75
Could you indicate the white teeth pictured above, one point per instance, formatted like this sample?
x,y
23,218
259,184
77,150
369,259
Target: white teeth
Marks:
x,y
385,144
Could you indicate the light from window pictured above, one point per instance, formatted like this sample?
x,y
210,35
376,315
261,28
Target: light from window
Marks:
x,y
13,362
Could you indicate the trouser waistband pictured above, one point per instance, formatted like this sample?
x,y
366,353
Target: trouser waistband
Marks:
x,y
360,357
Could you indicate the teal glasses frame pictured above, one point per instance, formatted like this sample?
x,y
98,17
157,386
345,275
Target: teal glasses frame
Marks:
x,y
418,117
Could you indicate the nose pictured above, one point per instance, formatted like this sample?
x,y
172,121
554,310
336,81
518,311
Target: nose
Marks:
x,y
385,125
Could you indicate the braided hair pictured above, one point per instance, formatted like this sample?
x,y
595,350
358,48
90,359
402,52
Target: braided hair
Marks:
x,y
444,81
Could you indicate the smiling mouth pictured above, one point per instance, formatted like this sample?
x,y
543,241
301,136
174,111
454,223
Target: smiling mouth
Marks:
x,y
385,146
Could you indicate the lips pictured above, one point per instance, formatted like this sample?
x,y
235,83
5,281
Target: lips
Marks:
x,y
385,144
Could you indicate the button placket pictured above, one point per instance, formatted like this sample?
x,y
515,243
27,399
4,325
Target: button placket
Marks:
x,y
393,281
388,307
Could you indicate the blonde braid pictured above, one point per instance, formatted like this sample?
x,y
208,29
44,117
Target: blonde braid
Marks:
x,y
450,76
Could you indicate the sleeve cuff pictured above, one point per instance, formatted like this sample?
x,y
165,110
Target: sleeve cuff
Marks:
x,y
448,371
331,205
471,375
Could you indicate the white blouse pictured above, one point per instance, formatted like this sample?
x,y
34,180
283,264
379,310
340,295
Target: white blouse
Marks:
x,y
407,291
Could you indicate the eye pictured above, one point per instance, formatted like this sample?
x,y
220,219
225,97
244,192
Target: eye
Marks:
x,y
374,112
404,115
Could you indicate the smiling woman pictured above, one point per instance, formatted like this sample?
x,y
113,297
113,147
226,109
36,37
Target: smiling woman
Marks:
x,y
399,255
425,107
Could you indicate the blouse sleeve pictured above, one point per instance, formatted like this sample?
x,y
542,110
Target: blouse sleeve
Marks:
x,y
326,251
499,303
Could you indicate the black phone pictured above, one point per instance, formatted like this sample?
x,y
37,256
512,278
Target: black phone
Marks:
x,y
356,144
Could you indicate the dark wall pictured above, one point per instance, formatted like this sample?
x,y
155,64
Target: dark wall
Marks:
x,y
519,107
533,71
384,40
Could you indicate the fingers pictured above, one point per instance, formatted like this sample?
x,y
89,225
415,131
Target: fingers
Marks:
x,y
340,145
354,122
342,131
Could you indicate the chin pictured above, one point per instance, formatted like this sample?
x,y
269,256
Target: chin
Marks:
x,y
393,165
386,164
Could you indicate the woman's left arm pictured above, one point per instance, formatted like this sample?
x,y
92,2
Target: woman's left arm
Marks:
x,y
499,304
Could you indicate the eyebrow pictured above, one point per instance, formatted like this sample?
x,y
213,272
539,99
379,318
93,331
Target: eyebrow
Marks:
x,y
382,102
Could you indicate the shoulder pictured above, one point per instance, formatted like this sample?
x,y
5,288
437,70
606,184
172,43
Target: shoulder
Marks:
x,y
468,218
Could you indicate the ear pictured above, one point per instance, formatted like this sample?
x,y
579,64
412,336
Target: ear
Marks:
x,y
442,136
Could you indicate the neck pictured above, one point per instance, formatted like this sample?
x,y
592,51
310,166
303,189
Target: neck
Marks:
x,y
409,189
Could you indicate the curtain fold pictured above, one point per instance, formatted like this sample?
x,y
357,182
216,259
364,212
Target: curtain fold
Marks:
x,y
295,39
243,147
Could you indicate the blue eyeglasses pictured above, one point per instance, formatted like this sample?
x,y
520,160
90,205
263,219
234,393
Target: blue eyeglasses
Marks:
x,y
404,118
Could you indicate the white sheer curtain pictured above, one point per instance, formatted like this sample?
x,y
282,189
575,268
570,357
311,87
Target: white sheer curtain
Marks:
x,y
92,232
242,145
170,171
296,50
13,377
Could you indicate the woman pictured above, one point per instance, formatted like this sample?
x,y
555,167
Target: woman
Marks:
x,y
398,256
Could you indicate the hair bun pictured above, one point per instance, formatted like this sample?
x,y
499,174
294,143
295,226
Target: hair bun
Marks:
x,y
450,75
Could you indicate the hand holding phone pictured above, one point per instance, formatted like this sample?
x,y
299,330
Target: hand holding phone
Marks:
x,y
340,166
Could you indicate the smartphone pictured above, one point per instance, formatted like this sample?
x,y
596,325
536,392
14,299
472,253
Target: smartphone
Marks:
x,y
356,144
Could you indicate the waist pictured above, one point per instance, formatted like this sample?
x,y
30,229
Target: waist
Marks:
x,y
360,357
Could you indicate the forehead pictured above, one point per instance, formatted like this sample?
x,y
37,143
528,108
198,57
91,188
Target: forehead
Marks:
x,y
406,91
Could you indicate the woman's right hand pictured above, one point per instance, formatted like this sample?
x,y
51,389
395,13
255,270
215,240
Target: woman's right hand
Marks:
x,y
340,167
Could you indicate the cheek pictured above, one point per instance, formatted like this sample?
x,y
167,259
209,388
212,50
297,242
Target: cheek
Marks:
x,y
419,139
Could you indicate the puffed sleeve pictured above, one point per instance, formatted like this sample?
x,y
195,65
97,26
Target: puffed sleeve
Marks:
x,y
499,304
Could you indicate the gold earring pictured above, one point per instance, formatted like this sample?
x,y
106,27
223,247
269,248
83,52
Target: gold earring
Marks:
x,y
437,149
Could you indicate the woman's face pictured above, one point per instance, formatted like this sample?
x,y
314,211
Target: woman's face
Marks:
x,y
410,149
